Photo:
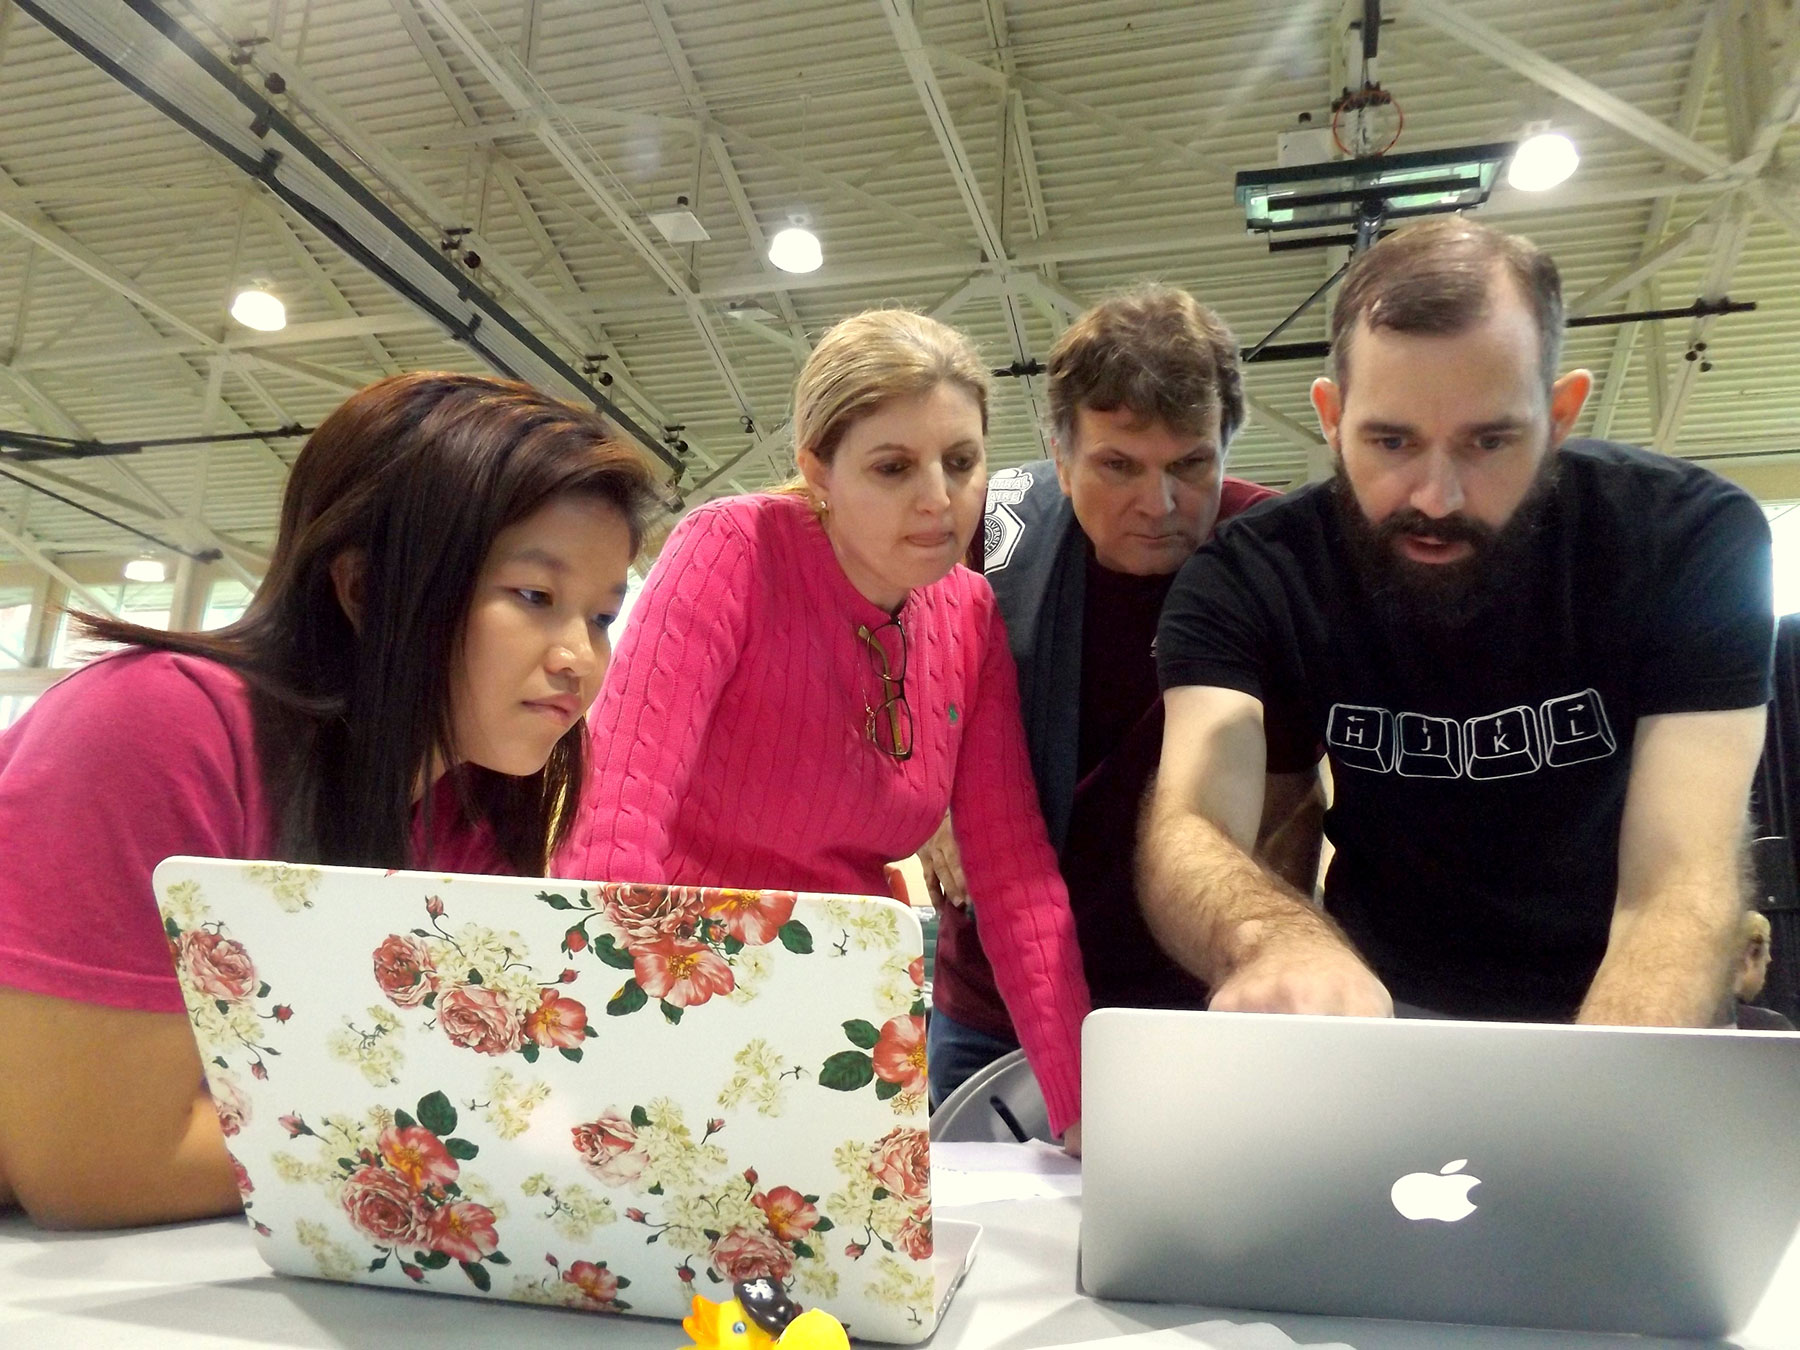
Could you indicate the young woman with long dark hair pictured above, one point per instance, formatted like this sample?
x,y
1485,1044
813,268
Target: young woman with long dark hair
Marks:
x,y
407,688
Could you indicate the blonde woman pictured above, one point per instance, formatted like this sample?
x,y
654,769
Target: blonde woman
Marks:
x,y
811,679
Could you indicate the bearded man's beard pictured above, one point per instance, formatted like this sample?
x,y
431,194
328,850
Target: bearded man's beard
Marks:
x,y
1446,597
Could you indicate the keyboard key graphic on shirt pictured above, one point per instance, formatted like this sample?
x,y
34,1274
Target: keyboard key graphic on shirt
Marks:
x,y
1430,747
1362,738
1575,729
1503,745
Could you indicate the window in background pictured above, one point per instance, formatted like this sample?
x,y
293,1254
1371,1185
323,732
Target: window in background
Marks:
x,y
13,706
1784,524
634,583
146,603
15,623
226,602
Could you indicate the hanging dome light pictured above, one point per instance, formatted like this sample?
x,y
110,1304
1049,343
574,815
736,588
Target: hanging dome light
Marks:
x,y
1542,161
258,308
796,249
146,568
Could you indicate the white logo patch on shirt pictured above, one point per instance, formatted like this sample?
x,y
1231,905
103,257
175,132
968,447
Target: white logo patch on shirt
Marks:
x,y
1001,531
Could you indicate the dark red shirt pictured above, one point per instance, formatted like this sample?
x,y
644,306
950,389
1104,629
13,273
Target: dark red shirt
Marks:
x,y
1120,743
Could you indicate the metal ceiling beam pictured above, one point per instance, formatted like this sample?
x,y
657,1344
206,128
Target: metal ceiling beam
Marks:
x,y
60,245
1016,127
1728,247
962,172
1515,56
721,158
585,337
218,104
511,88
1755,101
1123,128
62,357
589,116
323,286
1284,427
33,552
982,283
1618,367
752,456
192,527
1672,248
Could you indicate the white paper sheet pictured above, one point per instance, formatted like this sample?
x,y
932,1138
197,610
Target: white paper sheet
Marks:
x,y
1216,1335
981,1173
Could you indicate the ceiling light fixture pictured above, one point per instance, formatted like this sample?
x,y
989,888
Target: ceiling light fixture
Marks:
x,y
796,249
1542,161
257,307
680,225
146,568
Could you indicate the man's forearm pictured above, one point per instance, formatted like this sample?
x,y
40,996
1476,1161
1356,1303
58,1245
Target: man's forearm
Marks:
x,y
1669,958
1208,903
1292,833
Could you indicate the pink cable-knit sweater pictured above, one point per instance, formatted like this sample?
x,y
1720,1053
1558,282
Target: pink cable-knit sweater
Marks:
x,y
729,750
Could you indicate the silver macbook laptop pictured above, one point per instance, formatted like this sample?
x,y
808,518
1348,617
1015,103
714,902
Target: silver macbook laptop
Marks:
x,y
1600,1179
604,1097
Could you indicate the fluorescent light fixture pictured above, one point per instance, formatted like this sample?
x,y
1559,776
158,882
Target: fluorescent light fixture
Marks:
x,y
796,249
1542,161
680,226
146,569
1331,196
257,308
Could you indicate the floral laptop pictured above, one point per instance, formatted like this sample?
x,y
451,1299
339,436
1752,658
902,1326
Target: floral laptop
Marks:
x,y
605,1097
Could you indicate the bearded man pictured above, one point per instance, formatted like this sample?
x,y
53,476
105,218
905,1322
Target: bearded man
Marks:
x,y
1537,666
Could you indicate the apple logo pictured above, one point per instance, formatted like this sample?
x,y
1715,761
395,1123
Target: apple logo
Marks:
x,y
1440,1195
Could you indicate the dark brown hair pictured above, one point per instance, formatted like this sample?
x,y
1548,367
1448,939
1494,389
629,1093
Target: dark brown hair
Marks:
x,y
1154,351
1437,277
414,476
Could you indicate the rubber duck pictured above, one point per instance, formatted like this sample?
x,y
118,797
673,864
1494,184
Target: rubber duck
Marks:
x,y
760,1315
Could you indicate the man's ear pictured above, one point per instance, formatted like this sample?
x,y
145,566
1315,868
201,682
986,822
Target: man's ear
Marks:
x,y
1328,403
1062,459
1567,398
347,572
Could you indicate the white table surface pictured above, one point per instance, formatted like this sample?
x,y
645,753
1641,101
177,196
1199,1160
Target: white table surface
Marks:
x,y
203,1285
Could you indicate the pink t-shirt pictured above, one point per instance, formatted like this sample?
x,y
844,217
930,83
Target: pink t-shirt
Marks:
x,y
133,759
729,749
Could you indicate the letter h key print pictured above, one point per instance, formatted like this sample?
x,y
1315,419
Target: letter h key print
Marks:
x,y
1361,737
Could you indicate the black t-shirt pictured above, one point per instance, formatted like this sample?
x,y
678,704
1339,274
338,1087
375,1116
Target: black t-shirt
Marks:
x,y
1480,775
1120,742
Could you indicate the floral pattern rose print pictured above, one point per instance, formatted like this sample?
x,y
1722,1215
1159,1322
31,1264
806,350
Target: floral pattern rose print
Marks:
x,y
887,1194
727,1222
225,996
573,1208
510,1103
480,989
403,1192
892,1056
587,1285
758,1076
229,1101
375,1049
683,1171
291,886
684,945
